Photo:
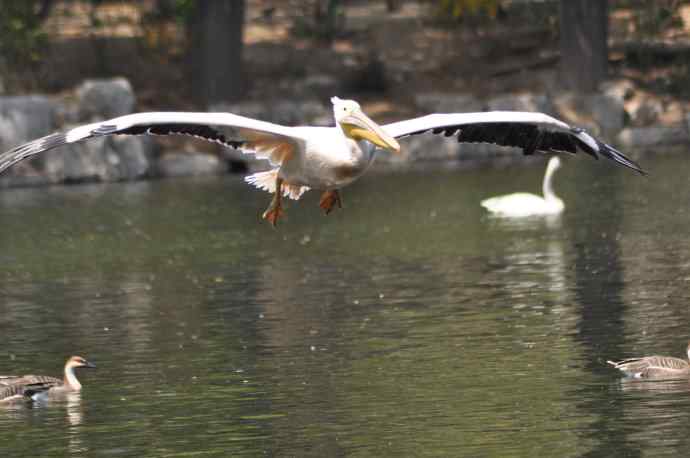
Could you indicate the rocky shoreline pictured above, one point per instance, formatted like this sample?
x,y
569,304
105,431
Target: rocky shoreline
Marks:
x,y
617,114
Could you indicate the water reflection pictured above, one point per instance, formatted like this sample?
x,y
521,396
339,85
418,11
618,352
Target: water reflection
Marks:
x,y
410,323
632,385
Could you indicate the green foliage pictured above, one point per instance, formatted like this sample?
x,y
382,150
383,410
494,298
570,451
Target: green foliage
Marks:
x,y
21,37
654,18
458,8
178,10
326,23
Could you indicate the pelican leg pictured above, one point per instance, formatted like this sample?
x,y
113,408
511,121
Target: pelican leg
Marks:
x,y
330,199
275,208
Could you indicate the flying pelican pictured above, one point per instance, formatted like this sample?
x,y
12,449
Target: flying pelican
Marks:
x,y
655,366
521,204
328,158
14,387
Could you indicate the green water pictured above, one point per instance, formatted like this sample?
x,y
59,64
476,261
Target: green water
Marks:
x,y
407,324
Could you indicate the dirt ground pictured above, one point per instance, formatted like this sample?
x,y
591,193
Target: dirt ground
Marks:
x,y
378,55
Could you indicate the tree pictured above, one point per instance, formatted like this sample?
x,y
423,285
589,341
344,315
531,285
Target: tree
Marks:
x,y
584,50
214,29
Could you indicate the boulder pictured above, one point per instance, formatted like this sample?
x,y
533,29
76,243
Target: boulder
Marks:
x,y
23,118
105,98
420,148
642,138
603,114
98,159
133,157
441,102
189,164
429,147
522,102
320,85
619,89
645,111
286,111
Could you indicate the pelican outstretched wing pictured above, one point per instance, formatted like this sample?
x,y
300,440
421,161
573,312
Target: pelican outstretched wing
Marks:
x,y
264,139
533,132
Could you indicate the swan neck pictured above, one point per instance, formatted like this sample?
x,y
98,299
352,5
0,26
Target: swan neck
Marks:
x,y
547,186
71,381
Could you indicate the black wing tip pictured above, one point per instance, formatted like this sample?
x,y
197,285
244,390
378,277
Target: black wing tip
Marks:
x,y
618,157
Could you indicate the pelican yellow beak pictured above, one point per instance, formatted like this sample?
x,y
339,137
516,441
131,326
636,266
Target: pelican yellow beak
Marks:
x,y
358,126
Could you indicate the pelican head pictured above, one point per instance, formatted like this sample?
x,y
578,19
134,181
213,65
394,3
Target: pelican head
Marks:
x,y
358,126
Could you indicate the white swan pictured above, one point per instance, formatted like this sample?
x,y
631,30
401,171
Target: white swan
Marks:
x,y
522,204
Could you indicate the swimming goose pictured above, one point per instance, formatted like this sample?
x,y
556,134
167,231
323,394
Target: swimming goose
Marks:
x,y
654,366
522,204
26,392
328,158
14,387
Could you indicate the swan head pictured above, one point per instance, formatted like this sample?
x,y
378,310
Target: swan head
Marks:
x,y
553,165
358,126
77,361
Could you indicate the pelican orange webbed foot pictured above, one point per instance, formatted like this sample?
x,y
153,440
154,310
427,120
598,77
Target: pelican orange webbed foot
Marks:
x,y
275,209
330,199
273,213
329,158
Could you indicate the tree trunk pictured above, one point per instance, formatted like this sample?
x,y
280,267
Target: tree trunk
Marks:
x,y
584,48
215,52
392,5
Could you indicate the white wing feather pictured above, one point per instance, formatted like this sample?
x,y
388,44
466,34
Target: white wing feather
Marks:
x,y
258,137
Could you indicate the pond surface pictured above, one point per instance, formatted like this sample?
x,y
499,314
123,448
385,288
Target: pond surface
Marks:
x,y
407,324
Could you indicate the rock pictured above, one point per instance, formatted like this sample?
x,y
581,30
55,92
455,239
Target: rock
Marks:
x,y
9,180
608,113
603,114
287,111
133,154
105,98
428,147
440,102
189,164
98,159
645,111
23,118
523,102
619,89
320,85
656,136
425,147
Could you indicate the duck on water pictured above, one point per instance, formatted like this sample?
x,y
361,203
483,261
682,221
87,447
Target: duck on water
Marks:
x,y
655,367
38,387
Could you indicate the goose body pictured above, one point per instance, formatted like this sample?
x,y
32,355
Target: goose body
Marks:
x,y
329,158
521,204
35,387
654,367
